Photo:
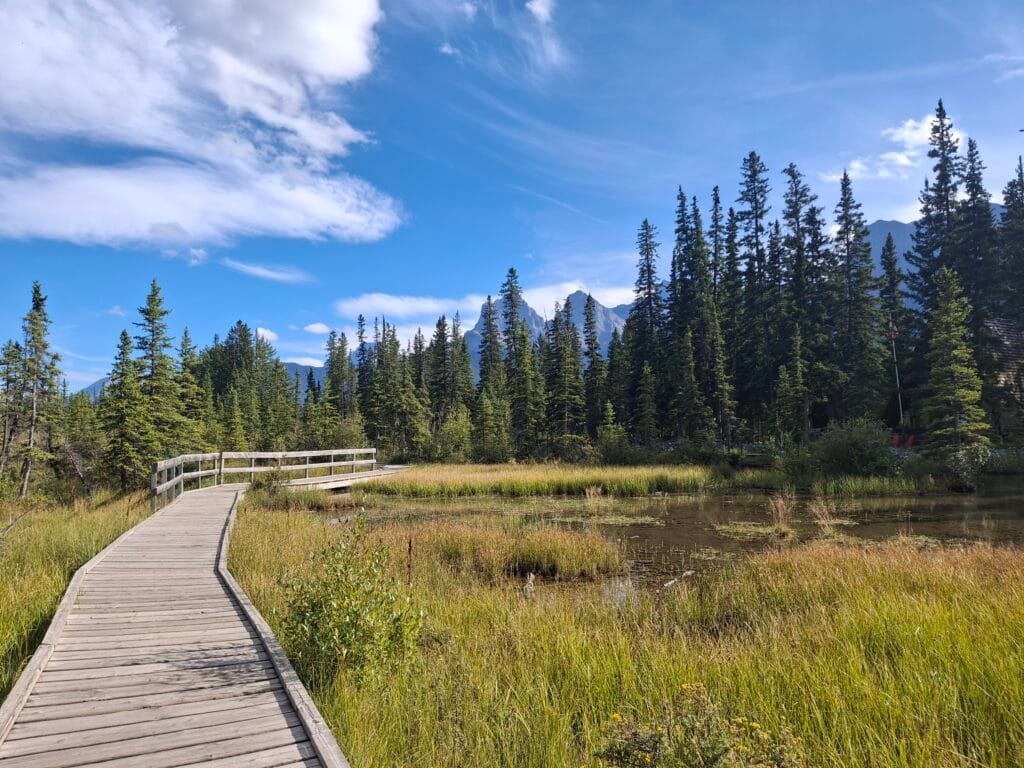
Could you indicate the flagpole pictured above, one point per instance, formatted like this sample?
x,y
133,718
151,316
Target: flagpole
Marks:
x,y
896,366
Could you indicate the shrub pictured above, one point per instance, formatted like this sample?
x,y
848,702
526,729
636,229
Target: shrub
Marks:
x,y
613,444
799,466
964,465
693,733
575,449
345,612
858,447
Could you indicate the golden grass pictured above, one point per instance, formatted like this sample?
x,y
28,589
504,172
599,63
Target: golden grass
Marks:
x,y
874,656
38,557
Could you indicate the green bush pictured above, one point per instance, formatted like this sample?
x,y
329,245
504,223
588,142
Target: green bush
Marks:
x,y
800,466
346,613
693,733
613,445
858,447
575,449
964,465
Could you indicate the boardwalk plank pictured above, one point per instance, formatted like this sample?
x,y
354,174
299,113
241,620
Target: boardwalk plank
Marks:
x,y
160,662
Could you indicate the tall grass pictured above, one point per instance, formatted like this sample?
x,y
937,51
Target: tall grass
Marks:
x,y
455,480
450,481
38,557
873,656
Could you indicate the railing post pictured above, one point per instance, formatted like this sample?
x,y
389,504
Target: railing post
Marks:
x,y
219,479
307,466
252,475
152,490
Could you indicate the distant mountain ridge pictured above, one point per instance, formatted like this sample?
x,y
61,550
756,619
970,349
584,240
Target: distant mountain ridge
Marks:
x,y
608,319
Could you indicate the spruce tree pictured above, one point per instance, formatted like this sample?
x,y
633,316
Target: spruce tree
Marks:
x,y
730,295
1011,246
127,423
157,372
463,388
193,429
935,230
492,373
694,422
861,355
894,320
40,374
716,238
12,378
440,372
952,404
792,423
752,373
595,375
645,413
644,324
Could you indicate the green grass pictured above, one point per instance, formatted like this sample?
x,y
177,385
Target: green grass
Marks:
x,y
520,480
38,557
879,656
454,481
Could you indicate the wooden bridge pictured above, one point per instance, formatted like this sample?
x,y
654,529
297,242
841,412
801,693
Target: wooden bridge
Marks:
x,y
156,657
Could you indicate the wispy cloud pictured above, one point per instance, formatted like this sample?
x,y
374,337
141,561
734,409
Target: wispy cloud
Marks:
x,y
277,274
314,362
394,306
230,133
317,328
266,334
555,201
117,311
911,135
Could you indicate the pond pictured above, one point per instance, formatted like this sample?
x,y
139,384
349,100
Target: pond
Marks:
x,y
676,534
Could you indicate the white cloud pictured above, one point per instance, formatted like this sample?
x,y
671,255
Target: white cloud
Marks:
x,y
392,306
541,10
277,274
317,328
315,362
912,136
224,108
266,334
117,311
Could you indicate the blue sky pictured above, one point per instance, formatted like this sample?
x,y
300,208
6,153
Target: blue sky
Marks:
x,y
294,164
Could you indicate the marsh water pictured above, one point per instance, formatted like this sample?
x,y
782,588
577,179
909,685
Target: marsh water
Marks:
x,y
676,534
666,536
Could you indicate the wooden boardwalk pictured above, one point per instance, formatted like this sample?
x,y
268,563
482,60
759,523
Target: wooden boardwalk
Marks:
x,y
157,659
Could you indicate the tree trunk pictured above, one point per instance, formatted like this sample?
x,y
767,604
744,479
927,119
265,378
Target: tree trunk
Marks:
x,y
27,470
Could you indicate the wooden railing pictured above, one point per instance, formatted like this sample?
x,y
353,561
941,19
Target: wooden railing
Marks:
x,y
170,476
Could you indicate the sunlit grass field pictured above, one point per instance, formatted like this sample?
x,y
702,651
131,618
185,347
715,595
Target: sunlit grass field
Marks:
x,y
38,557
523,480
873,656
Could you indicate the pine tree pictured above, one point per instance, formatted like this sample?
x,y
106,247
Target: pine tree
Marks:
x,y
1011,246
463,388
730,295
563,375
525,397
193,429
645,415
233,428
753,356
716,237
644,323
492,367
596,373
894,315
131,441
935,231
490,439
440,372
157,374
12,377
40,382
952,406
860,352
791,404
694,422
